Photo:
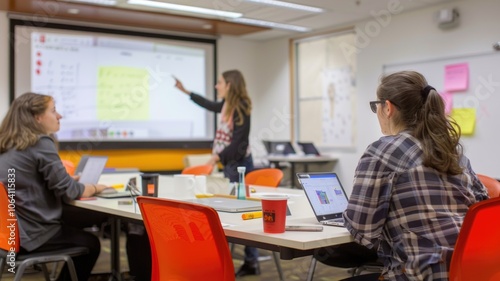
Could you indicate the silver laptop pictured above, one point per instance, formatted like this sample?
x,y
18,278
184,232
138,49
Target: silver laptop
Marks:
x,y
229,205
92,170
81,164
326,196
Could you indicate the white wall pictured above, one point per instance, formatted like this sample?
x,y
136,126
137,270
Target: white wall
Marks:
x,y
406,36
266,70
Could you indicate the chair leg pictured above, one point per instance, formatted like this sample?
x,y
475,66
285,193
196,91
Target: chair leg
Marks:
x,y
312,267
53,272
31,261
71,267
231,245
45,272
278,265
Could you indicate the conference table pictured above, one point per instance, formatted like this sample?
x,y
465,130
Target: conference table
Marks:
x,y
289,245
294,160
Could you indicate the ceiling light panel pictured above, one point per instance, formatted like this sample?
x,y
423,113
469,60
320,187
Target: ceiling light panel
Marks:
x,y
271,24
288,5
275,14
96,2
185,8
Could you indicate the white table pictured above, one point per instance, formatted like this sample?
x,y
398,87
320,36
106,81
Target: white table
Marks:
x,y
248,232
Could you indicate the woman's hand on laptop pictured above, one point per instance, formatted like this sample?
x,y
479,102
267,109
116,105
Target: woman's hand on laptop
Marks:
x,y
92,189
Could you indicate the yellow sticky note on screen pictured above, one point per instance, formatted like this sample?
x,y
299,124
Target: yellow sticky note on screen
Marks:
x,y
123,93
466,119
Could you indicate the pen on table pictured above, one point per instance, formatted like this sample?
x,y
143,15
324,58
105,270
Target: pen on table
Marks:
x,y
119,185
251,215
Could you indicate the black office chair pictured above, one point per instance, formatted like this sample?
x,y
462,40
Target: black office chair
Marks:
x,y
9,246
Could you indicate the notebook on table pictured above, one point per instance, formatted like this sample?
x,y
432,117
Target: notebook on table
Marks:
x,y
326,196
229,205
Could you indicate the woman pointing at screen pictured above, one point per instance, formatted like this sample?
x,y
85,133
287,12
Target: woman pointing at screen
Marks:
x,y
231,142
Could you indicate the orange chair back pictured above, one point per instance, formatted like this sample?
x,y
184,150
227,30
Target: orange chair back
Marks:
x,y
9,232
187,241
491,184
70,167
477,251
198,170
264,177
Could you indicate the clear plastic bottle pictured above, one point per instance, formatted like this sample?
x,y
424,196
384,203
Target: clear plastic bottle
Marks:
x,y
241,194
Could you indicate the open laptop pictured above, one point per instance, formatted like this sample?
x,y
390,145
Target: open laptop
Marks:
x,y
229,205
308,148
326,196
81,164
92,169
280,148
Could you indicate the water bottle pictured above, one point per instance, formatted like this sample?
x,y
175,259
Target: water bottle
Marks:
x,y
241,194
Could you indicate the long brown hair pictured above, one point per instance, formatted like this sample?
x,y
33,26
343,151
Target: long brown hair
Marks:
x,y
421,110
19,128
237,97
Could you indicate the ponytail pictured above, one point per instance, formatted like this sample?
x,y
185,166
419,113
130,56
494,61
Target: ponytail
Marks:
x,y
421,111
440,139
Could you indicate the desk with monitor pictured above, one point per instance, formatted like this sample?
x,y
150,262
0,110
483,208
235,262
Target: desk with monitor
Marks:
x,y
295,160
248,232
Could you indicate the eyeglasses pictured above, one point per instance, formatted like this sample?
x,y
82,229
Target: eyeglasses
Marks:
x,y
373,105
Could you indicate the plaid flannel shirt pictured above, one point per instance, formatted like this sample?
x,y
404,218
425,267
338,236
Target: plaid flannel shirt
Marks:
x,y
412,214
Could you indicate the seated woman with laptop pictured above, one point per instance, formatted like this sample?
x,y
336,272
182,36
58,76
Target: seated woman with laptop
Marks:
x,y
29,156
412,187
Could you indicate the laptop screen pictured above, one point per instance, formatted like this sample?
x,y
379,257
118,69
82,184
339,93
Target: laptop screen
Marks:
x,y
281,148
325,193
93,168
308,148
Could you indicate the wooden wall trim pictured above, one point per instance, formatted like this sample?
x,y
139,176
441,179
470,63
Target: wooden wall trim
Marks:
x,y
47,10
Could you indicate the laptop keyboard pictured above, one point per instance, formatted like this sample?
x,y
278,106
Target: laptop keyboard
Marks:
x,y
334,222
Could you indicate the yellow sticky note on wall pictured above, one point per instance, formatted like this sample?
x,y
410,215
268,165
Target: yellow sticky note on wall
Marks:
x,y
465,118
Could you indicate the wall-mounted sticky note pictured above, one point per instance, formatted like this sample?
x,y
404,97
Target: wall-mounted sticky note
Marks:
x,y
448,102
466,119
456,77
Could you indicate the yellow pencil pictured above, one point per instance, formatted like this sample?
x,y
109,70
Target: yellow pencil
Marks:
x,y
251,215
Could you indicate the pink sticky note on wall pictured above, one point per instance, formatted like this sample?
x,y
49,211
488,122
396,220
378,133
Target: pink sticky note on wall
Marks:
x,y
456,77
448,102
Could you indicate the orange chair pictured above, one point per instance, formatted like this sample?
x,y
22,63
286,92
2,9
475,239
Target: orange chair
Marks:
x,y
187,241
198,170
477,250
10,244
70,167
491,184
264,177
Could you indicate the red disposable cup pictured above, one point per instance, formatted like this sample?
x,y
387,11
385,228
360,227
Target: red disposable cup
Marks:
x,y
274,212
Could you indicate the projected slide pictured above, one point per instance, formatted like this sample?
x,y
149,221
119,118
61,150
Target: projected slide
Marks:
x,y
116,87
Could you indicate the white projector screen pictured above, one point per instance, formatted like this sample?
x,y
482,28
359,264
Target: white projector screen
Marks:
x,y
115,86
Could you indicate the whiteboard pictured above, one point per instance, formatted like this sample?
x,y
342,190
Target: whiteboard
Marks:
x,y
117,87
483,94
